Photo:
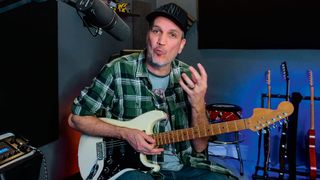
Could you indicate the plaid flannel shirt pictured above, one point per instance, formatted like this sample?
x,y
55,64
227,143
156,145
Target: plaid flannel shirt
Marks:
x,y
123,91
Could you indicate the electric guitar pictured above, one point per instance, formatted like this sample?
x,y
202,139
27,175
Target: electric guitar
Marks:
x,y
283,154
311,133
110,158
266,135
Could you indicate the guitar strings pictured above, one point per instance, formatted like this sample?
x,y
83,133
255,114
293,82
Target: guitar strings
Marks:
x,y
115,143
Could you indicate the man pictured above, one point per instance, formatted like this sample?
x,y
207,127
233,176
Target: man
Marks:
x,y
154,79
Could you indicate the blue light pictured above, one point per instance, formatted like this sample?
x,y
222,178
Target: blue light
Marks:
x,y
3,150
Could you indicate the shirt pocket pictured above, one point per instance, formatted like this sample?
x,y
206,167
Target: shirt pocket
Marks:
x,y
135,106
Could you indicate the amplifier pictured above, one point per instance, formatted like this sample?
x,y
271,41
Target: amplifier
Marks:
x,y
18,159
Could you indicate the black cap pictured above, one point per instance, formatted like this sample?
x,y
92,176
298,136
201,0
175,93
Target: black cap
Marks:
x,y
173,12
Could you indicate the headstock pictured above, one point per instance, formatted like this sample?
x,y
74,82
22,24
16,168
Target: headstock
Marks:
x,y
284,70
262,117
310,77
268,77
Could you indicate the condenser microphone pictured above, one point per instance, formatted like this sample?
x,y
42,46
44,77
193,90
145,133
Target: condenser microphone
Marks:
x,y
102,16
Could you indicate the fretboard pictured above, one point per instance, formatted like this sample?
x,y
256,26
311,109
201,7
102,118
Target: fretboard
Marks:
x,y
312,108
199,132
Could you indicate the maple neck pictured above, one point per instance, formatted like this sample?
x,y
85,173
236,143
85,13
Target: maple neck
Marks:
x,y
269,96
268,79
199,132
312,107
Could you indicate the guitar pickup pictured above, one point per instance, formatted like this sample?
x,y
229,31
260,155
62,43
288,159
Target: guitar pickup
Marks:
x,y
101,150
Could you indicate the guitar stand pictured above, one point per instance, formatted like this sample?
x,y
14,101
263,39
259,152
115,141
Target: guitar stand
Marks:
x,y
295,98
265,168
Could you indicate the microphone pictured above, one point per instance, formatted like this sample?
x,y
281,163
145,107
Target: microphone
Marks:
x,y
99,14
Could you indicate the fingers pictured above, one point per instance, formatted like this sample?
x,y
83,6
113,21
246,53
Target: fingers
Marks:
x,y
203,72
187,82
197,78
143,143
149,146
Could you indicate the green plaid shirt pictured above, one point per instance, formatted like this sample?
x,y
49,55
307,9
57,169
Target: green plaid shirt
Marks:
x,y
122,91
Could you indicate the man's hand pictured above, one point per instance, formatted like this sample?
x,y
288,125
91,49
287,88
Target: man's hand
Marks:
x,y
140,141
196,86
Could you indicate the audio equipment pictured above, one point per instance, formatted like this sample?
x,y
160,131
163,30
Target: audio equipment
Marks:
x,y
18,160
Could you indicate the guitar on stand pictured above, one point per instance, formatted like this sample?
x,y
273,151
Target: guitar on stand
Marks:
x,y
311,133
266,134
284,128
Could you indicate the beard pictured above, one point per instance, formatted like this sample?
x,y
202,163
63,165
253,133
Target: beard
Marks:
x,y
156,63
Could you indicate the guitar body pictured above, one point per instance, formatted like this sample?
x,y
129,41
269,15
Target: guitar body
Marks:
x,y
312,153
114,157
87,157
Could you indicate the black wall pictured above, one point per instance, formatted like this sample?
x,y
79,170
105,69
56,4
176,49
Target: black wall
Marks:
x,y
29,72
263,24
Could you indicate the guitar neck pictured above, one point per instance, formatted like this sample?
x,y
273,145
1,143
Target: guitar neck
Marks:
x,y
269,97
288,90
199,132
312,107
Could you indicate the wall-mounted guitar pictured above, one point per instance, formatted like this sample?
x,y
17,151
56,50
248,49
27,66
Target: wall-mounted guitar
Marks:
x,y
311,133
266,134
284,128
108,158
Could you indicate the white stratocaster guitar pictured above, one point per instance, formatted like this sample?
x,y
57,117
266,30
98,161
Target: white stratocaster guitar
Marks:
x,y
109,158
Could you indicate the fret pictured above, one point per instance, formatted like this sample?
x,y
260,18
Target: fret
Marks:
x,y
223,127
216,129
157,139
205,130
170,138
166,138
173,136
187,134
235,125
231,126
211,128
241,124
208,130
161,139
181,135
192,134
196,132
201,131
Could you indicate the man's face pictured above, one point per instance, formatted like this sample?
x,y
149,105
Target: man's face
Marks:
x,y
165,40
